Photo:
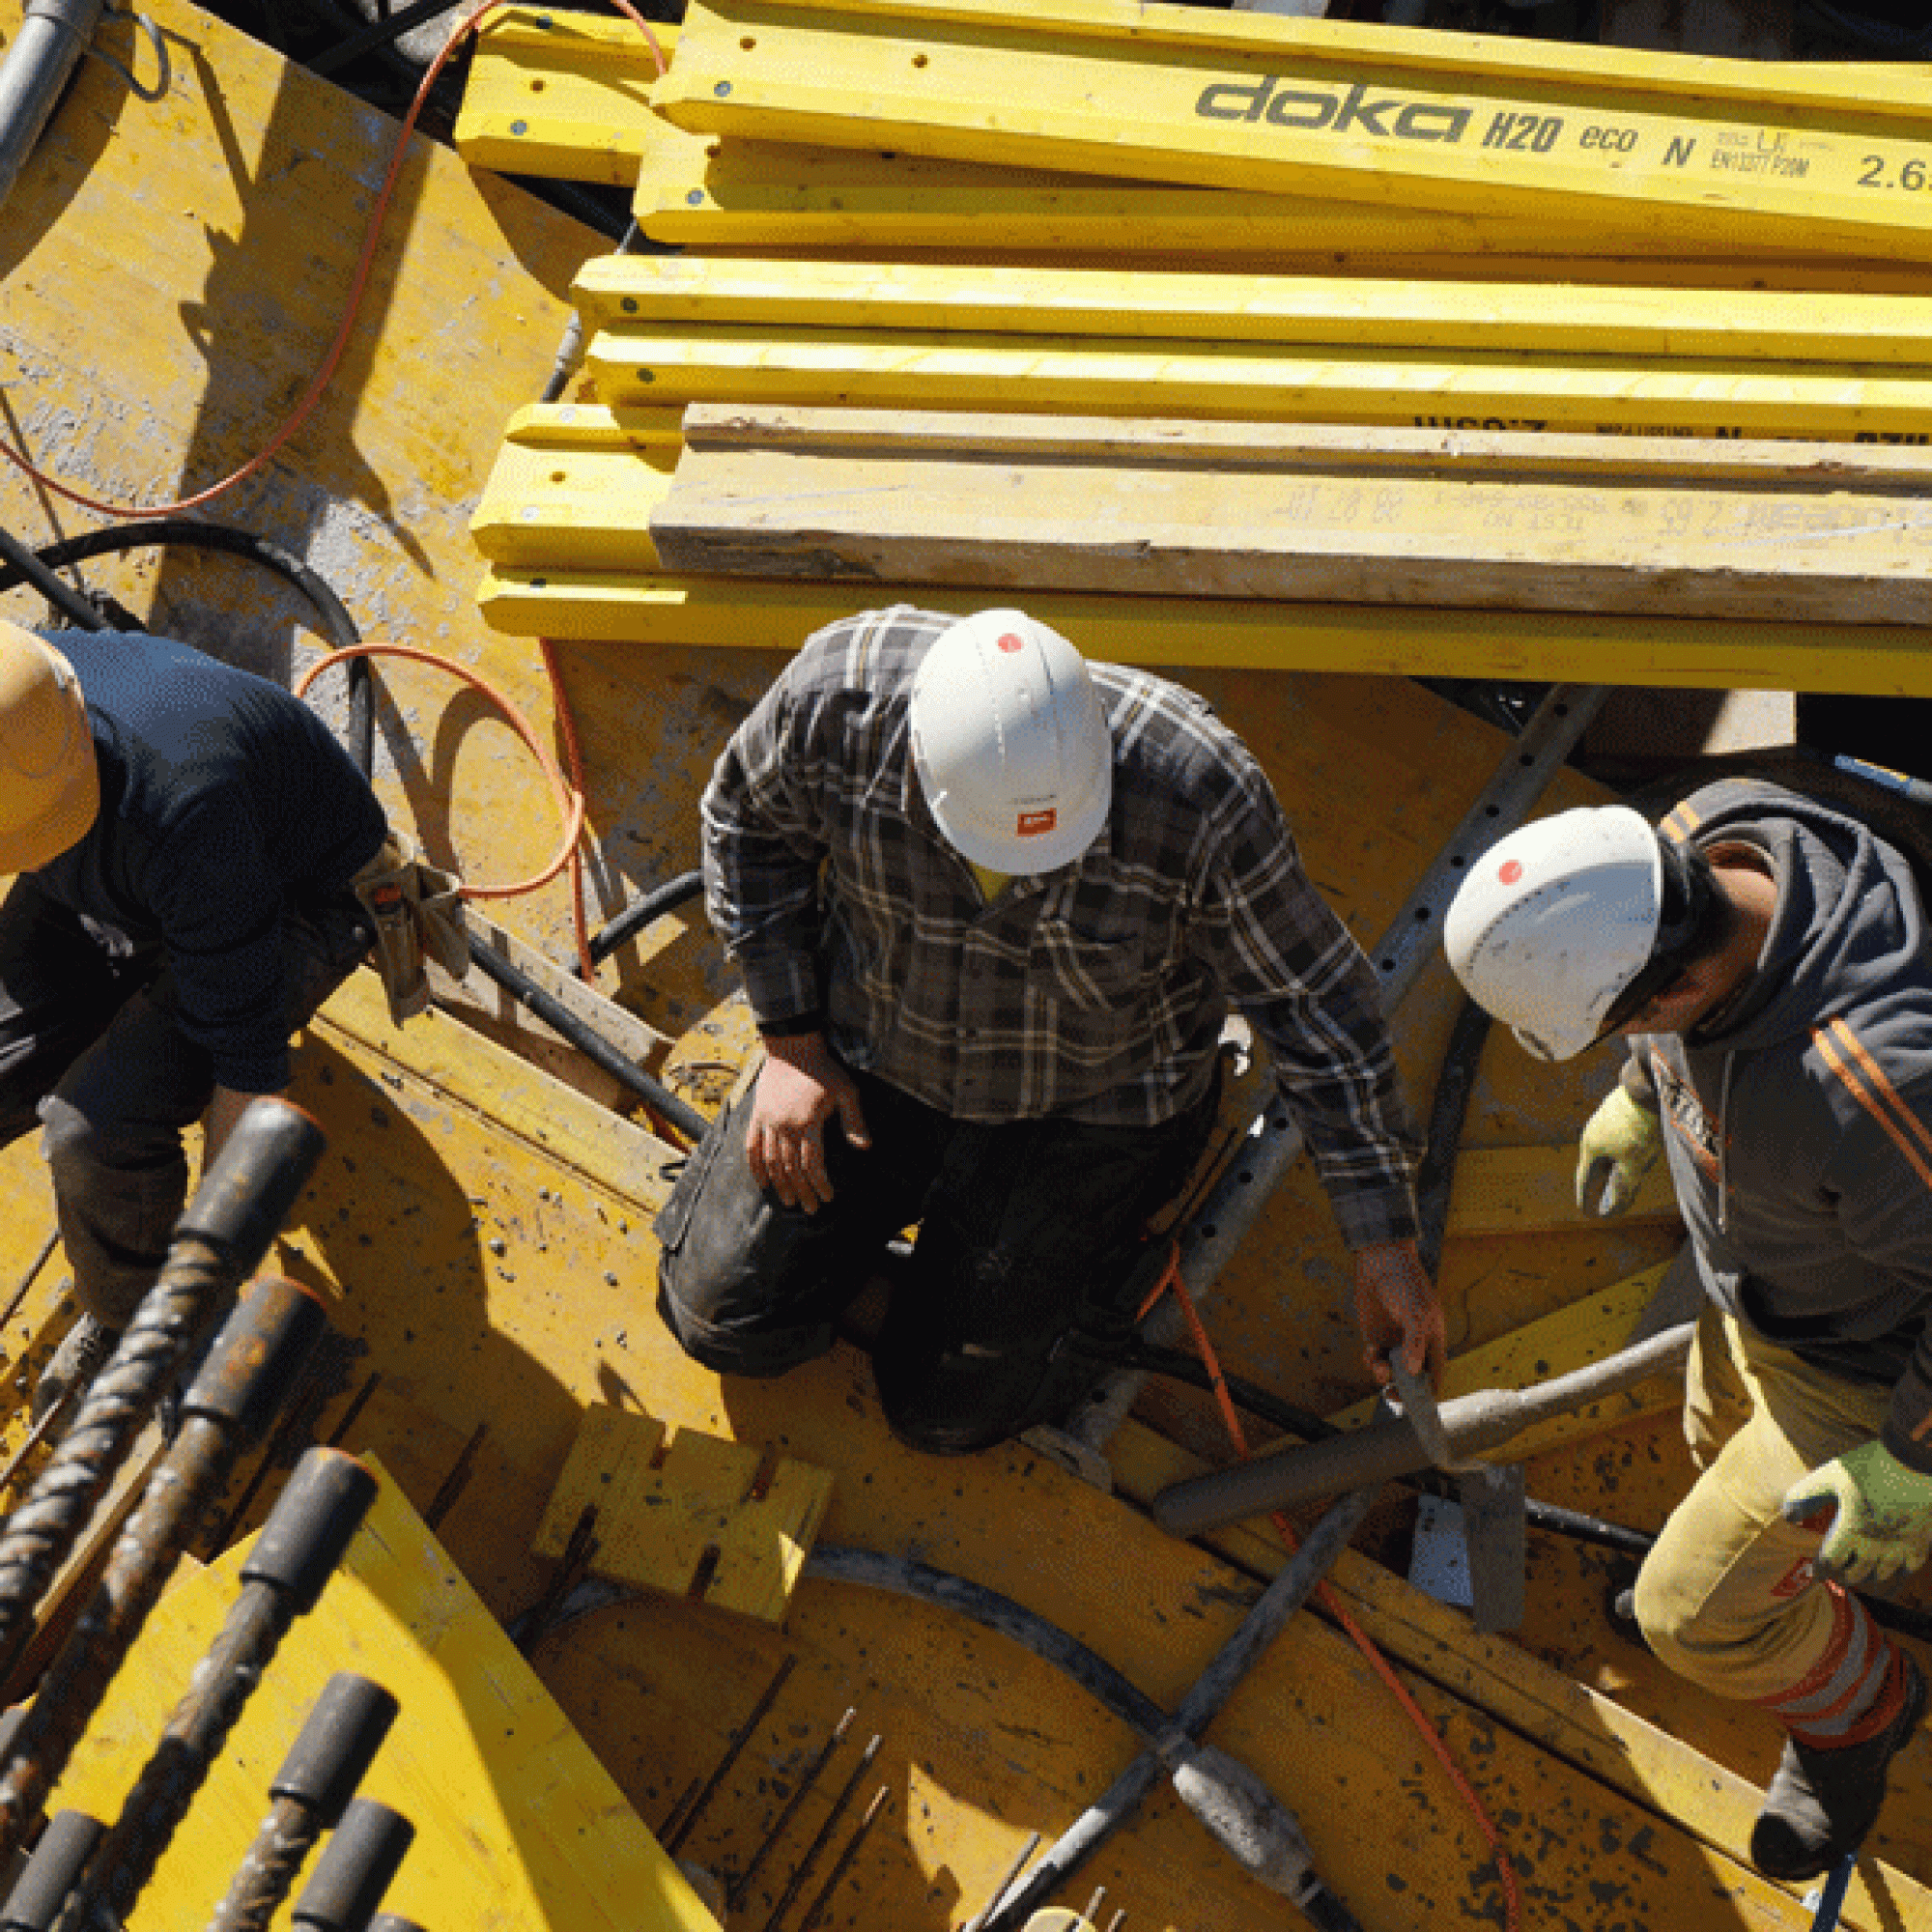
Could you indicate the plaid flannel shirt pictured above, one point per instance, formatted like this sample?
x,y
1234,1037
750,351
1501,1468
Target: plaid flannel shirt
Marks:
x,y
1097,991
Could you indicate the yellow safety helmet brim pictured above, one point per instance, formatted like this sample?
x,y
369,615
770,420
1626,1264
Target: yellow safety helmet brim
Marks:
x,y
49,776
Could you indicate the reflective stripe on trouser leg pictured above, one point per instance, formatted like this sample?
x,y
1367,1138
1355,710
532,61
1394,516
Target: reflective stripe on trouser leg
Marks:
x,y
1727,1597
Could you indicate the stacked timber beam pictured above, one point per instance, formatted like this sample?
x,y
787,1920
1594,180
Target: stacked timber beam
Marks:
x,y
1231,338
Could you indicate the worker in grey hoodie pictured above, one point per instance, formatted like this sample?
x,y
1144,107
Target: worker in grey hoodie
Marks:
x,y
1767,959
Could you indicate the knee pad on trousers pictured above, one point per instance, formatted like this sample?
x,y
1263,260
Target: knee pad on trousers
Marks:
x,y
1665,1619
764,1356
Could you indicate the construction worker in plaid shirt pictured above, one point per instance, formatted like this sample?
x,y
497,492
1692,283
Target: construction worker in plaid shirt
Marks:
x,y
992,904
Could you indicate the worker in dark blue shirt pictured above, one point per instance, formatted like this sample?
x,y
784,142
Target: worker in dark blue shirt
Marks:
x,y
185,837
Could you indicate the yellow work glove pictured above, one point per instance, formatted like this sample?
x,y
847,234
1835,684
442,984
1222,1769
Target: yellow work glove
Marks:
x,y
1619,1145
417,911
1882,1525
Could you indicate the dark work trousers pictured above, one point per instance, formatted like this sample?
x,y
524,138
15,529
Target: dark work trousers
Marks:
x,y
1008,1311
90,1047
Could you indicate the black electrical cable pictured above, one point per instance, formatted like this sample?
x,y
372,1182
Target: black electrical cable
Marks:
x,y
335,622
633,918
380,34
588,1042
113,538
904,1576
579,202
25,567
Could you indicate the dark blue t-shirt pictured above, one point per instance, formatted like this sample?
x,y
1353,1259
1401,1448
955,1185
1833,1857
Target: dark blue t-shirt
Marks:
x,y
224,801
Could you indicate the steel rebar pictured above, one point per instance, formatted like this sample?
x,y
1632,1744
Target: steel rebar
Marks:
x,y
815,1769
355,1869
839,1807
217,1243
239,1388
815,1911
307,1798
677,1827
282,1576
42,1887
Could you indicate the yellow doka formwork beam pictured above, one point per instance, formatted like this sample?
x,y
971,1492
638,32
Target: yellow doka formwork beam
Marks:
x,y
1720,155
642,607
616,293
561,94
1262,381
567,95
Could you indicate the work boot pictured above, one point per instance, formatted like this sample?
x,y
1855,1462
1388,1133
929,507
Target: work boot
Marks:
x,y
87,1345
1822,1803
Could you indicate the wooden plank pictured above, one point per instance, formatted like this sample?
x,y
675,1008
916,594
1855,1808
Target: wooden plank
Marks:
x,y
1448,519
1533,1190
518,1827
633,607
72,1585
608,1468
697,1517
764,365
619,293
1717,155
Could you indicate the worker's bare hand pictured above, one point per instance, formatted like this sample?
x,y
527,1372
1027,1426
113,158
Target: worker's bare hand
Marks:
x,y
802,1088
1398,1307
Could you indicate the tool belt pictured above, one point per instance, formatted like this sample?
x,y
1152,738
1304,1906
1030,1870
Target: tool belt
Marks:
x,y
416,910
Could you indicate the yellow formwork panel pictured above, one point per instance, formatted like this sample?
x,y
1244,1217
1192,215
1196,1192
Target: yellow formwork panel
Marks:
x,y
175,271
1583,1727
557,93
1525,323
1558,1344
1854,402
518,1827
1532,1190
980,1745
638,608
1720,155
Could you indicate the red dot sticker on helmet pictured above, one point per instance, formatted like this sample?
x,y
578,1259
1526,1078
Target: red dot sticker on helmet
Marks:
x,y
1011,641
1032,823
1510,872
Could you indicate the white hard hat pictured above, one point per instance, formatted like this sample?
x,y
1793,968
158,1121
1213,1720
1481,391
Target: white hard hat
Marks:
x,y
1553,923
1010,742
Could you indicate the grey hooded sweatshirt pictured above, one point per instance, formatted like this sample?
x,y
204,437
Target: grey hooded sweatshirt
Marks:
x,y
1799,1117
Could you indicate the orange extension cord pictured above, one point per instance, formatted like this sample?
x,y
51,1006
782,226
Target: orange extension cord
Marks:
x,y
1204,1347
324,372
